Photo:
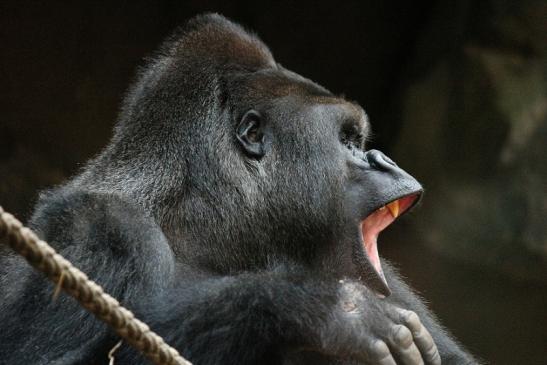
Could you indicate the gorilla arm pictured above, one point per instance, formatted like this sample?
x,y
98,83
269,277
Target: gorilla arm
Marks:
x,y
261,317
248,318
110,240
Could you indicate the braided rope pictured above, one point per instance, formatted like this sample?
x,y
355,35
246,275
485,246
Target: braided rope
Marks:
x,y
90,295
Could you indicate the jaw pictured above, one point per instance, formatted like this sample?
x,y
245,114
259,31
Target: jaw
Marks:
x,y
370,229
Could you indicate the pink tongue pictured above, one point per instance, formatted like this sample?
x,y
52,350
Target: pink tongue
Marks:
x,y
376,223
371,228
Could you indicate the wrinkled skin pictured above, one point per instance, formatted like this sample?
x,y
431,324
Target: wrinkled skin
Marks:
x,y
227,213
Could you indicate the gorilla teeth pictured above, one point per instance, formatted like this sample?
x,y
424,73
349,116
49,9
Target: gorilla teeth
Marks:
x,y
393,208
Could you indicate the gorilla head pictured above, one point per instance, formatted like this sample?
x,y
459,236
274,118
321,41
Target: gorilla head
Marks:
x,y
246,165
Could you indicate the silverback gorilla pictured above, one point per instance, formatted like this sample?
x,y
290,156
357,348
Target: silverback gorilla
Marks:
x,y
235,211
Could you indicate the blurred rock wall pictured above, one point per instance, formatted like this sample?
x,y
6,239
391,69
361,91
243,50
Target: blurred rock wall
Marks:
x,y
473,112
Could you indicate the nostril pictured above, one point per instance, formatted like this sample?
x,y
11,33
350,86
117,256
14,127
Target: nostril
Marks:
x,y
388,160
379,160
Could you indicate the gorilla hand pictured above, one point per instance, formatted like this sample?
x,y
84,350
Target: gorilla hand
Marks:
x,y
400,338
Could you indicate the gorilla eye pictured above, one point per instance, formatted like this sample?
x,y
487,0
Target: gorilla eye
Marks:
x,y
250,134
352,136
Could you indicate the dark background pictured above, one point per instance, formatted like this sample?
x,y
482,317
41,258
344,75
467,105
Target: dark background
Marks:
x,y
456,92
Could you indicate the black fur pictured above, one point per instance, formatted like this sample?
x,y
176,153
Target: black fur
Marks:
x,y
233,257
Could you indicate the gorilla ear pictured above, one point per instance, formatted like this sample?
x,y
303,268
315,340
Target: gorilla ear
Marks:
x,y
251,134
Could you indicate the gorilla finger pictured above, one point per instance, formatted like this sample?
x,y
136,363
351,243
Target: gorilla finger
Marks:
x,y
380,354
427,347
411,320
422,338
404,348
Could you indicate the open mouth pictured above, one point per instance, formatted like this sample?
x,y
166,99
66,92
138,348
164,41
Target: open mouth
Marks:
x,y
377,221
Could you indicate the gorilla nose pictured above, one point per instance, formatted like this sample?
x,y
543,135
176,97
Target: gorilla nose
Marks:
x,y
379,160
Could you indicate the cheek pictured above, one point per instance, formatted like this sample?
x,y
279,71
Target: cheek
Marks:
x,y
308,166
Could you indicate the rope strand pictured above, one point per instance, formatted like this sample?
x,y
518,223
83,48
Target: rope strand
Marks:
x,y
90,295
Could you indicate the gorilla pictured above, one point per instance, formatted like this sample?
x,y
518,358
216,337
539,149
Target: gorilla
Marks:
x,y
236,211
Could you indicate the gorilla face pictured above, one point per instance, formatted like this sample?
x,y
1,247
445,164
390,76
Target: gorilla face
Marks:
x,y
250,165
310,146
